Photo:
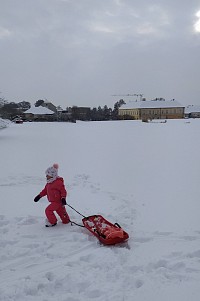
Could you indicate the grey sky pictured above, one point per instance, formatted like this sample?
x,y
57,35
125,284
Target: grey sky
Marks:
x,y
80,52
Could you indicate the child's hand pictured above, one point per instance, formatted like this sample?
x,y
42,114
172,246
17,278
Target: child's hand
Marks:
x,y
63,201
36,199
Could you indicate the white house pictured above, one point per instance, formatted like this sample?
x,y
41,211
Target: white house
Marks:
x,y
39,113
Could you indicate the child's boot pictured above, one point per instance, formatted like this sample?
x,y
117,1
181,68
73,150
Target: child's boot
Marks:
x,y
48,224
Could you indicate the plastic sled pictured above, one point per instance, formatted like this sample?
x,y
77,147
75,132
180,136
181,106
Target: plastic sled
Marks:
x,y
106,232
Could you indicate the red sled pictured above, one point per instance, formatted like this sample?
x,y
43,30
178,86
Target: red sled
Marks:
x,y
106,232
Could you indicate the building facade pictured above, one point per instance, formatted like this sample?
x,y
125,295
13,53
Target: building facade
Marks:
x,y
153,109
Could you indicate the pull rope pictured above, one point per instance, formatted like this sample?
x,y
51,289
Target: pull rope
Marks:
x,y
73,223
76,210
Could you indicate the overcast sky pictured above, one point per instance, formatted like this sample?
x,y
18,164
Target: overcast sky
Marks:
x,y
80,52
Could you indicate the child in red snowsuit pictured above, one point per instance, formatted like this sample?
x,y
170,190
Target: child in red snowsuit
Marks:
x,y
56,194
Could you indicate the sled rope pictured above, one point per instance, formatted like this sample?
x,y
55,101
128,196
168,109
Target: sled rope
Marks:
x,y
73,223
76,224
75,210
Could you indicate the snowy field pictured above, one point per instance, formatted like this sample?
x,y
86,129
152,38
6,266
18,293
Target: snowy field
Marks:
x,y
145,176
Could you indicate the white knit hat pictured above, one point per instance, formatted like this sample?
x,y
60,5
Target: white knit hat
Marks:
x,y
52,171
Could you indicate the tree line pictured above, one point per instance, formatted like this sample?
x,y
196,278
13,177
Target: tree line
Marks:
x,y
104,113
9,110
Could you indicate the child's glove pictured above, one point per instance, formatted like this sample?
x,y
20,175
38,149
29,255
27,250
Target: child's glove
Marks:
x,y
63,201
36,199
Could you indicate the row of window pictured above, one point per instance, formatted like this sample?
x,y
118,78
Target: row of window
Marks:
x,y
168,111
149,112
129,112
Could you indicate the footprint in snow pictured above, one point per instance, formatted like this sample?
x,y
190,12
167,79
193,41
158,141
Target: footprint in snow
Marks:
x,y
50,276
139,283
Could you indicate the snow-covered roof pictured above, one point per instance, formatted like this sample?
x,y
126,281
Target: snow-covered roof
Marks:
x,y
152,104
192,109
39,111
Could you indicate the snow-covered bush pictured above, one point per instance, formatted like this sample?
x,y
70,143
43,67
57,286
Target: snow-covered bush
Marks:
x,y
4,123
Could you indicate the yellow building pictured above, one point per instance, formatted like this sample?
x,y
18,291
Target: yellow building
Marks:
x,y
153,109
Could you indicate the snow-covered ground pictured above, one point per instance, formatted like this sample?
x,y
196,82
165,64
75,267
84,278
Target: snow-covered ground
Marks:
x,y
145,176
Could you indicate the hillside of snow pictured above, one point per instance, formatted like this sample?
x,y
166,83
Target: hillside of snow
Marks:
x,y
144,176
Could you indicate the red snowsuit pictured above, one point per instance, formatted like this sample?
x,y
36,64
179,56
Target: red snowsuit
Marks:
x,y
55,191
